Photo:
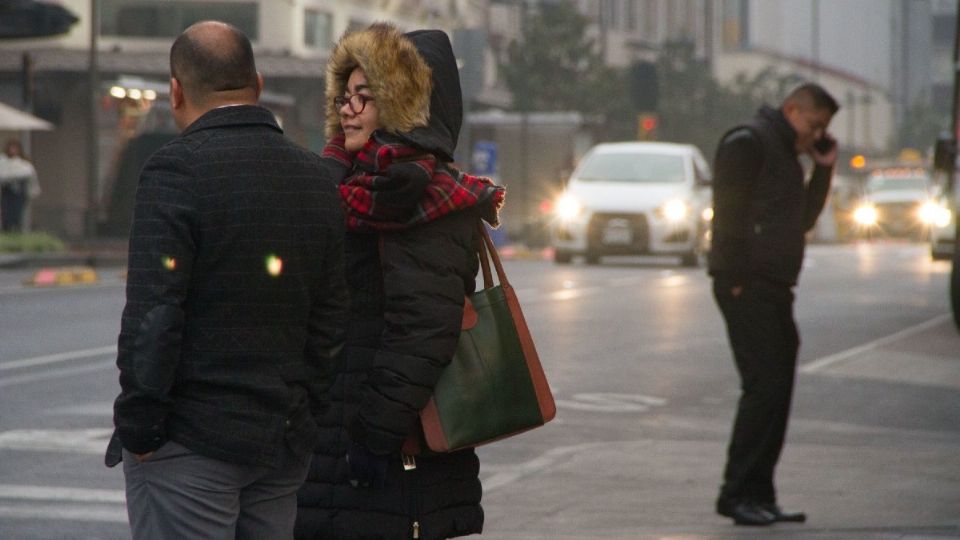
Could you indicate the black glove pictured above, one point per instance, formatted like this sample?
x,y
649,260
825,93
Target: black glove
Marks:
x,y
366,468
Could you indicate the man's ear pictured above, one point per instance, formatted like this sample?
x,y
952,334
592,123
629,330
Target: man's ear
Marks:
x,y
176,94
259,84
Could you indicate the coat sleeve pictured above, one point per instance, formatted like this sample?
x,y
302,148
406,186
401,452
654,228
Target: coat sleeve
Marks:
x,y
328,314
161,255
737,166
423,309
817,190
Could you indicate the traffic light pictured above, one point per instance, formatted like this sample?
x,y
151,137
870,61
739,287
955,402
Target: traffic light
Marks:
x,y
644,88
858,162
30,19
647,124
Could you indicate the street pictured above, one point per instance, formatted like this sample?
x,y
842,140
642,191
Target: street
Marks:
x,y
646,389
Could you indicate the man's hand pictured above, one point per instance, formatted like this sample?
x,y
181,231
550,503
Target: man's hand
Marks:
x,y
366,468
142,457
828,158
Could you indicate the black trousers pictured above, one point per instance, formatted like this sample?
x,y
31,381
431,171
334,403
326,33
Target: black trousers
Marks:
x,y
764,339
13,201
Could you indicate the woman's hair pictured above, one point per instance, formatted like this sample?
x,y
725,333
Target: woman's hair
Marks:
x,y
14,143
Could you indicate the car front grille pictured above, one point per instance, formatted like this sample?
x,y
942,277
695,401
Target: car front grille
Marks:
x,y
607,233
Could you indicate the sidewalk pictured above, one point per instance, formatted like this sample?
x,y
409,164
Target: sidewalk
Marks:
x,y
97,253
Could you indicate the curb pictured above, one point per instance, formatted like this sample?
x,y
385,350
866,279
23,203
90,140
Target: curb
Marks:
x,y
519,252
61,277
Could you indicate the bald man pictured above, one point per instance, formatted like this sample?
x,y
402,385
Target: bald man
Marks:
x,y
235,305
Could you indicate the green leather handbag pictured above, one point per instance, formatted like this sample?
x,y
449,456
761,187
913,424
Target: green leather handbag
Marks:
x,y
495,386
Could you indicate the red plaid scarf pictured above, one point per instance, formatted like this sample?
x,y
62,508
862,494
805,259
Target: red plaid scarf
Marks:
x,y
394,187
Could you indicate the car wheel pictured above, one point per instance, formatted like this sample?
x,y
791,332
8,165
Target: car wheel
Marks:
x,y
562,257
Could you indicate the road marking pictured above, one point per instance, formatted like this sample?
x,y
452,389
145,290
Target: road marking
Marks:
x,y
56,373
103,408
53,493
59,357
827,361
507,476
611,402
72,513
73,441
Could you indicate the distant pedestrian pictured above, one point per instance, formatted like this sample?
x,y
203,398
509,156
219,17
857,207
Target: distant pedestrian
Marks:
x,y
393,116
18,185
235,308
762,209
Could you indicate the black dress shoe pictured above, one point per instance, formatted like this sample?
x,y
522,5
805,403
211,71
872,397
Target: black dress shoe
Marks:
x,y
745,512
779,515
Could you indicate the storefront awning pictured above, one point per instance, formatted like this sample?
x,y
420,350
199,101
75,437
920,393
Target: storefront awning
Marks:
x,y
12,119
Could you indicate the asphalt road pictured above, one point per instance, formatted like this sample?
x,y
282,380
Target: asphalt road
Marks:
x,y
637,356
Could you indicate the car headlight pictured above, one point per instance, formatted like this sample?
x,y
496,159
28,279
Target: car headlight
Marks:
x,y
934,213
866,215
674,210
567,207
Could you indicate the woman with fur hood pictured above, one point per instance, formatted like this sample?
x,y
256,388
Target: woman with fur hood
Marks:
x,y
393,116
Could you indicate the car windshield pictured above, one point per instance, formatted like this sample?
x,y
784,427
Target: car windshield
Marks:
x,y
888,183
632,167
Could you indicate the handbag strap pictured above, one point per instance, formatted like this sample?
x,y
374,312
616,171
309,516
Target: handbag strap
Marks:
x,y
487,251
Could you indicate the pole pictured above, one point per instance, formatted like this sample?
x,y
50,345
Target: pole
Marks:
x,y
524,109
951,175
815,39
93,137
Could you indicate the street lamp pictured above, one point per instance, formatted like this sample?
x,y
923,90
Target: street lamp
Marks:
x,y
93,137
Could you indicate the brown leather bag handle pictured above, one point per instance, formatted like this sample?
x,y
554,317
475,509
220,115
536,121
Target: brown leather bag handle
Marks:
x,y
486,251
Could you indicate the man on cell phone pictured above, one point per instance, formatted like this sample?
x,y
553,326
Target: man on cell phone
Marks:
x,y
763,207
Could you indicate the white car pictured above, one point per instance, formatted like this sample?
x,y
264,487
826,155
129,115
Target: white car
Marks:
x,y
943,230
899,201
635,198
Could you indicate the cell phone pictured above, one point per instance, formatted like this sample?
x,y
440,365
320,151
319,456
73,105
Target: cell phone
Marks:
x,y
824,144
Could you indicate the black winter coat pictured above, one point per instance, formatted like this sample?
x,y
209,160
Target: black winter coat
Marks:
x,y
407,292
216,351
399,337
762,206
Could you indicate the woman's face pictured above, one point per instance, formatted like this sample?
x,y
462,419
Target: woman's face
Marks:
x,y
14,150
359,116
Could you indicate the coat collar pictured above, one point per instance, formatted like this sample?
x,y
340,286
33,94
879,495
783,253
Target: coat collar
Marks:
x,y
783,129
234,115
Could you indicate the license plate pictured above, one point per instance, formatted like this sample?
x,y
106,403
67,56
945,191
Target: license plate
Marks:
x,y
617,233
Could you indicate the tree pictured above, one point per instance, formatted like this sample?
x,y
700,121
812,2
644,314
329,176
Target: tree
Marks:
x,y
556,66
921,125
695,108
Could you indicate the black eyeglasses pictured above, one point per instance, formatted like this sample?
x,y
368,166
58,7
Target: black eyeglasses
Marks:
x,y
357,102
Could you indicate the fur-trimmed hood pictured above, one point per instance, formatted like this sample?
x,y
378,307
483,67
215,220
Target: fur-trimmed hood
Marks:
x,y
414,78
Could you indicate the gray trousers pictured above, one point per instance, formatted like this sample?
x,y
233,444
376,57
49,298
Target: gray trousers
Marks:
x,y
179,494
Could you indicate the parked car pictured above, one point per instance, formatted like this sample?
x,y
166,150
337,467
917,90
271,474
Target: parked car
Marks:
x,y
635,198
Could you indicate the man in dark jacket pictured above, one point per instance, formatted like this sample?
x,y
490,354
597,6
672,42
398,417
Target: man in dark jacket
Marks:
x,y
762,210
235,304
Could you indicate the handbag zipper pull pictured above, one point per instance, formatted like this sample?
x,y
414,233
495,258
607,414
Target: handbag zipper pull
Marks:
x,y
416,529
409,464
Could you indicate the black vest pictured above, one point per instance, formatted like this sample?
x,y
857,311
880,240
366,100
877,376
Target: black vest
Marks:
x,y
775,215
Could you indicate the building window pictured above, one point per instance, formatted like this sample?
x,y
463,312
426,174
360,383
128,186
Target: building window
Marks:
x,y
631,15
943,29
317,29
735,29
147,19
